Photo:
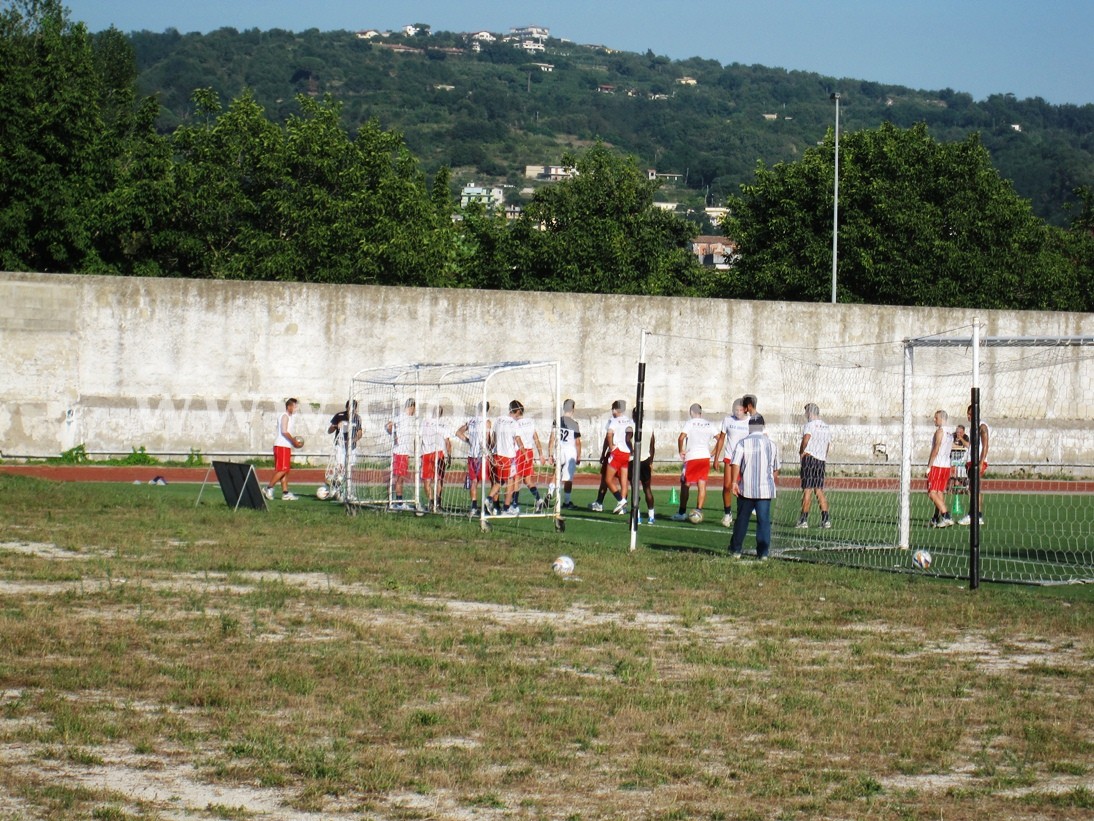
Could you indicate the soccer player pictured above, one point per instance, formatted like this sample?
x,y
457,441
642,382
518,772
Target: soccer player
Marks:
x,y
284,441
645,479
694,446
566,436
755,467
402,432
734,429
503,475
938,472
813,450
985,442
475,432
618,437
436,454
527,438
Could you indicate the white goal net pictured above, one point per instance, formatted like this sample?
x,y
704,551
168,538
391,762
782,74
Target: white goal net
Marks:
x,y
455,439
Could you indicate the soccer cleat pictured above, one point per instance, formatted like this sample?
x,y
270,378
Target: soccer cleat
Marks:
x,y
727,520
679,517
289,496
826,524
651,520
965,520
569,506
621,507
268,493
945,521
596,507
512,510
803,524
540,505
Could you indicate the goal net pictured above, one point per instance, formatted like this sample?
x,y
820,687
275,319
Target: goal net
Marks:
x,y
1036,396
1036,403
455,439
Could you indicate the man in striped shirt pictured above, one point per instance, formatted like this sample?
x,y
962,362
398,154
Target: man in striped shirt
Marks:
x,y
755,467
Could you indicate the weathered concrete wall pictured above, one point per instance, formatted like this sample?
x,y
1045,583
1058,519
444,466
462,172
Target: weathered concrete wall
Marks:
x,y
174,364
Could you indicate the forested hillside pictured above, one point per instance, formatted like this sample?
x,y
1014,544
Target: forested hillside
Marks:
x,y
490,113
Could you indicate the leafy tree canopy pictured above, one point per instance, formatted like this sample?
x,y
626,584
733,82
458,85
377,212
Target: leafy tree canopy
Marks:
x,y
920,223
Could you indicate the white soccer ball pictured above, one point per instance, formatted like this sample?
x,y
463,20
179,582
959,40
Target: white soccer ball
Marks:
x,y
322,493
921,559
695,517
563,566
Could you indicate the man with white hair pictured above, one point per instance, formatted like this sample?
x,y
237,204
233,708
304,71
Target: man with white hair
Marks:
x,y
755,469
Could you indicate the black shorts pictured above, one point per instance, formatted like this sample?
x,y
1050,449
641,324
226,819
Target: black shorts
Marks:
x,y
645,471
812,472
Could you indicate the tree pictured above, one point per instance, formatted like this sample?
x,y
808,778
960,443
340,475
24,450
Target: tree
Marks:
x,y
52,158
921,223
599,232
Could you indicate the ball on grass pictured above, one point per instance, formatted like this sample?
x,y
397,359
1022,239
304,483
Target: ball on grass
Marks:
x,y
563,566
322,493
695,517
921,559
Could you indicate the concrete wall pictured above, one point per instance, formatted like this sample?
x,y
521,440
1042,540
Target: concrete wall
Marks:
x,y
173,364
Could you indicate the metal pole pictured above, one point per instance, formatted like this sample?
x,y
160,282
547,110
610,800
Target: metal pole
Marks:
x,y
636,455
835,207
974,464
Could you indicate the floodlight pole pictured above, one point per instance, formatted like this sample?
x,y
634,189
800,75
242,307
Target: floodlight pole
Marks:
x,y
835,204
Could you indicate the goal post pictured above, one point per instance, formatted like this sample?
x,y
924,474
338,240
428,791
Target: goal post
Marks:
x,y
435,438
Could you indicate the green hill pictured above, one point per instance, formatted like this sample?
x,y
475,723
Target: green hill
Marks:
x,y
490,113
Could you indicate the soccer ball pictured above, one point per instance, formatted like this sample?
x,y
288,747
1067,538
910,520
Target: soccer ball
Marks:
x,y
563,566
921,559
322,493
300,441
695,517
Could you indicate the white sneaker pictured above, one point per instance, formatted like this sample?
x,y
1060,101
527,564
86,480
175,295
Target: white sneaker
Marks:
x,y
826,524
727,520
289,496
268,493
651,520
803,524
679,517
945,521
596,507
540,505
621,507
965,520
512,510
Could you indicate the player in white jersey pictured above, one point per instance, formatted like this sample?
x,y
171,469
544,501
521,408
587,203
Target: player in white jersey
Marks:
x,y
529,447
984,443
402,432
503,462
938,471
436,453
694,444
734,429
618,435
566,436
476,433
813,450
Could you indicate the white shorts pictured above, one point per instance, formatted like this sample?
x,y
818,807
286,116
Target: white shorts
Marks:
x,y
569,464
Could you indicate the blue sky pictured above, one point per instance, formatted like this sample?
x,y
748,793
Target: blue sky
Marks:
x,y
1030,49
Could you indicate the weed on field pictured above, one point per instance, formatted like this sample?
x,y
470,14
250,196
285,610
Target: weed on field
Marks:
x,y
161,660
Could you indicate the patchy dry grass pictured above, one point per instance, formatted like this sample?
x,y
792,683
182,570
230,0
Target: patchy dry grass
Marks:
x,y
162,661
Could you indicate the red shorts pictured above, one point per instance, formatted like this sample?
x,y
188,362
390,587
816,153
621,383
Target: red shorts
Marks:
x,y
525,462
938,478
619,459
282,458
983,467
400,465
432,465
501,468
474,468
696,470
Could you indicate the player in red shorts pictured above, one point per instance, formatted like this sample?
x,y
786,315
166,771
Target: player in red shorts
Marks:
x,y
694,444
285,440
938,474
402,433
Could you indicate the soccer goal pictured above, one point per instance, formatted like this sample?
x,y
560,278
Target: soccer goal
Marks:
x,y
1034,503
468,440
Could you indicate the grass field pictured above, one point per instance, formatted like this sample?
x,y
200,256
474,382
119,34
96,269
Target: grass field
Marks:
x,y
159,660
